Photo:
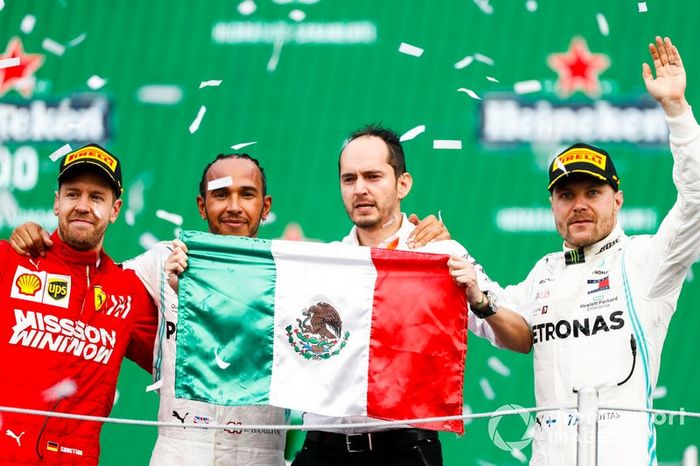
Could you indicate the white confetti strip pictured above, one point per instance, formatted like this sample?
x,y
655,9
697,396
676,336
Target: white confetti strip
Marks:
x,y
210,83
270,219
198,119
147,240
659,392
130,217
531,5
484,5
60,152
297,15
95,82
526,87
223,365
642,6
447,144
63,389
247,7
412,133
276,52
469,92
486,388
467,410
242,145
9,62
602,24
219,183
409,49
154,386
52,46
116,397
77,40
162,94
2,4
96,210
464,62
492,79
169,217
483,59
498,366
518,455
484,463
28,23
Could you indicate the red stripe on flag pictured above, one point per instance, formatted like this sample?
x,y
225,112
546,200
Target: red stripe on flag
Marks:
x,y
418,341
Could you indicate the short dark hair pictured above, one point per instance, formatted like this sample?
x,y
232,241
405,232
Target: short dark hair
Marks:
x,y
241,156
396,158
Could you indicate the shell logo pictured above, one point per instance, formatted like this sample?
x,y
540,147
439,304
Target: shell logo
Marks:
x,y
28,284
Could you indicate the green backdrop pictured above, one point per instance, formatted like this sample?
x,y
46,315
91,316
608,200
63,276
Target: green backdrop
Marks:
x,y
297,77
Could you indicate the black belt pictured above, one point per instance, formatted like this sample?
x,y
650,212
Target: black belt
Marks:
x,y
369,441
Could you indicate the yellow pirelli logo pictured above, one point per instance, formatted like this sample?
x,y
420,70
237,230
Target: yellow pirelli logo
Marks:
x,y
580,155
95,154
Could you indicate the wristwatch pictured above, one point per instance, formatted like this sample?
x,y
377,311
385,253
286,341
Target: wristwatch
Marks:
x,y
485,310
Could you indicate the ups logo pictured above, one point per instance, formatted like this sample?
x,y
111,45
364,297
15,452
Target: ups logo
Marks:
x,y
57,288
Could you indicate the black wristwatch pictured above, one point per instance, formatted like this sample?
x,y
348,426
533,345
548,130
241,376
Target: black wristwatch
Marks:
x,y
485,310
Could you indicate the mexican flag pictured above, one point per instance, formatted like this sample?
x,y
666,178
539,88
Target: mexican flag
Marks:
x,y
331,329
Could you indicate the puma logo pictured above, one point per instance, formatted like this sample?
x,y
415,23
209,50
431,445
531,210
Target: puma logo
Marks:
x,y
177,415
17,438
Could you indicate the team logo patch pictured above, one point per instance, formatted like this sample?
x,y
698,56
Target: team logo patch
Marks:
x,y
28,284
320,335
100,298
57,288
599,284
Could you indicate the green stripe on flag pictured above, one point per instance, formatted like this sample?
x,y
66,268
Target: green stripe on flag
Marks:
x,y
221,291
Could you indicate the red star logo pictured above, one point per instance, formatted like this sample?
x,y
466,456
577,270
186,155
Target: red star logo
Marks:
x,y
578,69
19,77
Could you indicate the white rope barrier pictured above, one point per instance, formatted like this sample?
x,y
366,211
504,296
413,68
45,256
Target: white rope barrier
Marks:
x,y
358,425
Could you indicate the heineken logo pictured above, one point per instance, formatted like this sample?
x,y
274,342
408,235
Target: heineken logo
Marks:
x,y
320,334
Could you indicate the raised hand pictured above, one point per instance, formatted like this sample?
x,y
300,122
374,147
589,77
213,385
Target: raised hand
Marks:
x,y
668,88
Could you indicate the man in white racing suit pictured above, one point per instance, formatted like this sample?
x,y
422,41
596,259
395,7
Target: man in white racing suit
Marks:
x,y
599,311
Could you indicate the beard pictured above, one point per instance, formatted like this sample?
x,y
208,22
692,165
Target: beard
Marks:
x,y
81,239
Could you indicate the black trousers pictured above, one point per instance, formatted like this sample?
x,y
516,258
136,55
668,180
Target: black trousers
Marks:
x,y
398,447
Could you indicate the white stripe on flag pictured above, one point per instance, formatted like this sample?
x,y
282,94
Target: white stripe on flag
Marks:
x,y
344,277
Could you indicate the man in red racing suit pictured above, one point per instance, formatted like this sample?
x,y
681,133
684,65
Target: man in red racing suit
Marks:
x,y
66,322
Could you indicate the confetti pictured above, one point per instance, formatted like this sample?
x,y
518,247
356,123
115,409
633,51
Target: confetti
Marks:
x,y
486,388
483,59
602,24
9,62
169,217
61,390
130,217
412,133
148,240
526,87
498,366
210,83
469,92
518,455
154,386
271,217
242,145
447,144
223,365
484,5
95,82
27,25
52,46
659,392
163,94
2,4
275,57
96,210
198,119
642,6
464,62
467,410
77,40
531,5
297,15
247,7
219,183
492,79
409,49
60,152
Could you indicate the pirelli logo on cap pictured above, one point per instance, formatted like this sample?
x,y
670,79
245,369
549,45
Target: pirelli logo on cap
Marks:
x,y
579,155
92,153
